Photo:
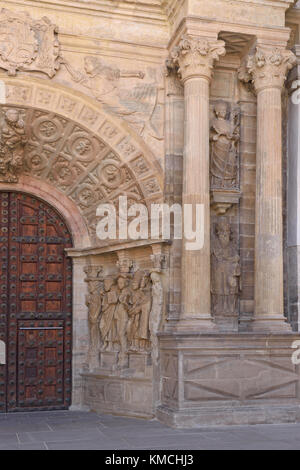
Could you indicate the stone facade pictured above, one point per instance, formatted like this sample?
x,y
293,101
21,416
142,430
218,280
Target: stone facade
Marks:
x,y
176,102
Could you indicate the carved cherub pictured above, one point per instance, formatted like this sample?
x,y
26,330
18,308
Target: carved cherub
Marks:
x,y
12,144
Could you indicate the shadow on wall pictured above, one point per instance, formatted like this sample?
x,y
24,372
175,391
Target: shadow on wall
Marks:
x,y
2,353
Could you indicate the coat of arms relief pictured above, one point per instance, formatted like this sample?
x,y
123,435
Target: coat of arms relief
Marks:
x,y
27,44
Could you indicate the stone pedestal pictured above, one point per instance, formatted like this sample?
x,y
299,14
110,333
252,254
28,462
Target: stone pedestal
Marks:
x,y
127,392
228,379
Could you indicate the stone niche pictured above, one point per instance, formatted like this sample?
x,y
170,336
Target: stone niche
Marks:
x,y
125,303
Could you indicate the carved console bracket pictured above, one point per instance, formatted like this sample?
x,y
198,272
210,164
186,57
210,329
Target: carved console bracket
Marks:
x,y
221,200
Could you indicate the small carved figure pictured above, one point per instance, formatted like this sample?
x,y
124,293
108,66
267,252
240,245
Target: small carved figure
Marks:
x,y
138,323
224,138
135,311
156,313
12,144
225,272
109,303
93,302
121,318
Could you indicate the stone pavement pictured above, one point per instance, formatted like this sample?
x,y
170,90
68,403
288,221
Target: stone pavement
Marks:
x,y
70,430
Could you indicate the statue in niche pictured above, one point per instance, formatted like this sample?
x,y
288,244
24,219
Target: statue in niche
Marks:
x,y
109,303
225,265
224,139
12,143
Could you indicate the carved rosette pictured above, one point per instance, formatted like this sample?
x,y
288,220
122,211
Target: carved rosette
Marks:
x,y
268,67
195,57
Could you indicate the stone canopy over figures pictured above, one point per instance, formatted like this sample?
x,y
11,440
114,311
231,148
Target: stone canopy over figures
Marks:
x,y
124,312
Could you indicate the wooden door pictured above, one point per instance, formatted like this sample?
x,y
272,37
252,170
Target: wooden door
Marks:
x,y
35,305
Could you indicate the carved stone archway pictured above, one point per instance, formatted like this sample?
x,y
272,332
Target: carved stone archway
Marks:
x,y
75,157
85,154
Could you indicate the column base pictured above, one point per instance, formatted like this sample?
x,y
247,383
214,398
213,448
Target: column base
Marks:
x,y
270,324
195,323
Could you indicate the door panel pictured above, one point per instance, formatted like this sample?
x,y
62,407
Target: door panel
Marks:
x,y
36,305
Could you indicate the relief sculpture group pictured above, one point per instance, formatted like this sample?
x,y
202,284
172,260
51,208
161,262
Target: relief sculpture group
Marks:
x,y
124,312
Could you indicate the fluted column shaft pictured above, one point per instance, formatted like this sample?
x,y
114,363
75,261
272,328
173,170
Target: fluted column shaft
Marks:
x,y
268,68
196,264
268,228
194,58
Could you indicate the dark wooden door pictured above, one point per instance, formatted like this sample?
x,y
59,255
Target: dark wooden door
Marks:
x,y
35,305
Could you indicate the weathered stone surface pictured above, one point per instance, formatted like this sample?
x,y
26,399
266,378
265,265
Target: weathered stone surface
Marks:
x,y
145,100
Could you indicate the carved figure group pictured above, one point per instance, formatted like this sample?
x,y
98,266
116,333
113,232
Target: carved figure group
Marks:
x,y
224,138
125,313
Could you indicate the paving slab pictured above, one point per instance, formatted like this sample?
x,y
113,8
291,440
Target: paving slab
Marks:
x,y
71,430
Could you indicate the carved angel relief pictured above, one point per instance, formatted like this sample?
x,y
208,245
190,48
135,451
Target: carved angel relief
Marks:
x,y
27,44
108,84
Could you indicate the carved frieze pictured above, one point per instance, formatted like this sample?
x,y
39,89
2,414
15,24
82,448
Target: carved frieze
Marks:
x,y
27,44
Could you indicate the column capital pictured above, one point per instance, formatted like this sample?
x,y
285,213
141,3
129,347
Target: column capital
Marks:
x,y
194,56
267,67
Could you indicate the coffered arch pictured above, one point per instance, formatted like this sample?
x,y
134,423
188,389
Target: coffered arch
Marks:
x,y
87,155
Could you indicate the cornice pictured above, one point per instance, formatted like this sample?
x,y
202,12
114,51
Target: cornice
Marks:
x,y
199,26
148,11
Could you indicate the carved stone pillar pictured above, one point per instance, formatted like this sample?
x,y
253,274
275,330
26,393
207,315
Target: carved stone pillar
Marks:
x,y
268,68
194,57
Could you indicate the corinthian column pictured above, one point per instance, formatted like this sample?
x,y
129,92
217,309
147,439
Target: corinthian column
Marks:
x,y
268,68
194,57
